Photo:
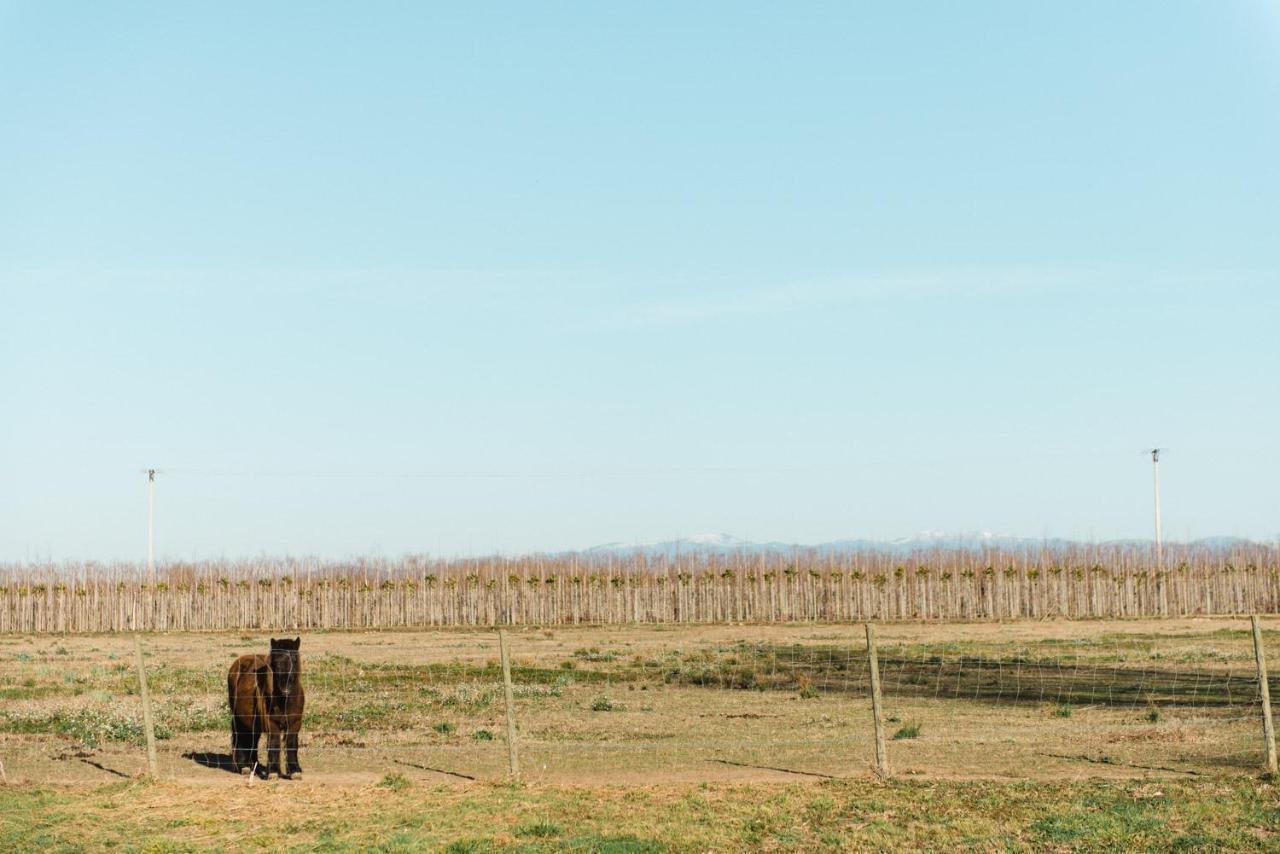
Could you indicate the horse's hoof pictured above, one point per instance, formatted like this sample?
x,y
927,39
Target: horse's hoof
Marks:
x,y
244,772
296,775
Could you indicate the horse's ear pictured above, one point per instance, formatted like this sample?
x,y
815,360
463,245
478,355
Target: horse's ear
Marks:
x,y
274,643
297,643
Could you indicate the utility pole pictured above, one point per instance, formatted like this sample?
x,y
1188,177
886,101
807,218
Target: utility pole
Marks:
x,y
1155,471
151,511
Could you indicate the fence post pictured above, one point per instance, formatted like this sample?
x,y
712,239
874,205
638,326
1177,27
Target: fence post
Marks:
x,y
147,727
513,761
882,757
1264,690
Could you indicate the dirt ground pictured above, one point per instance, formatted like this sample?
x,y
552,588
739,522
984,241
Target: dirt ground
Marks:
x,y
642,705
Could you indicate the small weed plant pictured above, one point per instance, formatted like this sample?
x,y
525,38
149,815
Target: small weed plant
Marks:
x,y
396,782
911,730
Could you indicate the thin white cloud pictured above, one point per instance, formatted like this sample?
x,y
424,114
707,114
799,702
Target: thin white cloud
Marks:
x,y
817,294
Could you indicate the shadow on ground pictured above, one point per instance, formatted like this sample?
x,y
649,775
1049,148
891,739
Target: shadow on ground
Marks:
x,y
216,761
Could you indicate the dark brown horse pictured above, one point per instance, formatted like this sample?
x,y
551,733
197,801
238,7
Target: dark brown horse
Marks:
x,y
265,694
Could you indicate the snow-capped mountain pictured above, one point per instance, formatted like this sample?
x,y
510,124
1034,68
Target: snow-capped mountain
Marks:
x,y
696,544
721,544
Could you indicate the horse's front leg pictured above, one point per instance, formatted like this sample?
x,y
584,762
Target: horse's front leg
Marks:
x,y
292,765
273,753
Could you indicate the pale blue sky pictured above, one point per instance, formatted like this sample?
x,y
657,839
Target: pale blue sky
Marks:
x,y
380,278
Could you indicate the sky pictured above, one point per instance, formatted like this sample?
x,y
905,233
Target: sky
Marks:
x,y
388,278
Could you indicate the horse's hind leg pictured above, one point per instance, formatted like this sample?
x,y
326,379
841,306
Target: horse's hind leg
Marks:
x,y
240,759
253,750
292,765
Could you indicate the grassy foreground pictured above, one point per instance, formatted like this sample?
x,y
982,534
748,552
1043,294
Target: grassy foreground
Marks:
x,y
401,814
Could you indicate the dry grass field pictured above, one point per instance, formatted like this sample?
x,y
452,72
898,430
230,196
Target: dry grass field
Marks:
x,y
636,736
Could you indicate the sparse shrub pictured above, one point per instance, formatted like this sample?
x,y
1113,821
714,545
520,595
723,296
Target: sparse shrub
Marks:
x,y
469,697
602,704
482,735
593,654
444,727
1153,715
911,730
395,781
540,829
1063,710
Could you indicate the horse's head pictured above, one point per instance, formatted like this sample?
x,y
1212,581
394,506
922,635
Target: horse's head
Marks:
x,y
286,666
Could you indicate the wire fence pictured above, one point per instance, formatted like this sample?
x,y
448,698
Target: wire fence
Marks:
x,y
643,703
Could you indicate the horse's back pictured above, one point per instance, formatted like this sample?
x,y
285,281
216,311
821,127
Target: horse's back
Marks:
x,y
242,685
246,667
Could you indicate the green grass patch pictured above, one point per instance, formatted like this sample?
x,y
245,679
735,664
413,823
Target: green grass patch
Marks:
x,y
539,829
90,726
395,781
398,814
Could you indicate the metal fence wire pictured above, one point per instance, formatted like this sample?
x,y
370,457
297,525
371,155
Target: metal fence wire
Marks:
x,y
634,704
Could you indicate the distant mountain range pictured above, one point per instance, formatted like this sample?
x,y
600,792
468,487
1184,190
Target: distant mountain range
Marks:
x,y
723,544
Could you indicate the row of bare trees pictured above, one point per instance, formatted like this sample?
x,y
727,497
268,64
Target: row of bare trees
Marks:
x,y
726,587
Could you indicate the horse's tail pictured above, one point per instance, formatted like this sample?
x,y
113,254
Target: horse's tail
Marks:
x,y
231,706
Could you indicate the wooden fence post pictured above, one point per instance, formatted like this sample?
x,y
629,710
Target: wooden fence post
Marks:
x,y
877,716
1264,690
147,726
513,761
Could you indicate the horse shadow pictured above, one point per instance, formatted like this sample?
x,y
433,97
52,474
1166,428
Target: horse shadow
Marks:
x,y
216,761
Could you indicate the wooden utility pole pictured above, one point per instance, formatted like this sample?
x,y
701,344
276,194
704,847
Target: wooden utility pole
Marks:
x,y
147,727
877,715
1264,690
513,760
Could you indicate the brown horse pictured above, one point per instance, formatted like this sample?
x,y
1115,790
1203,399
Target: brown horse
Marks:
x,y
265,694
